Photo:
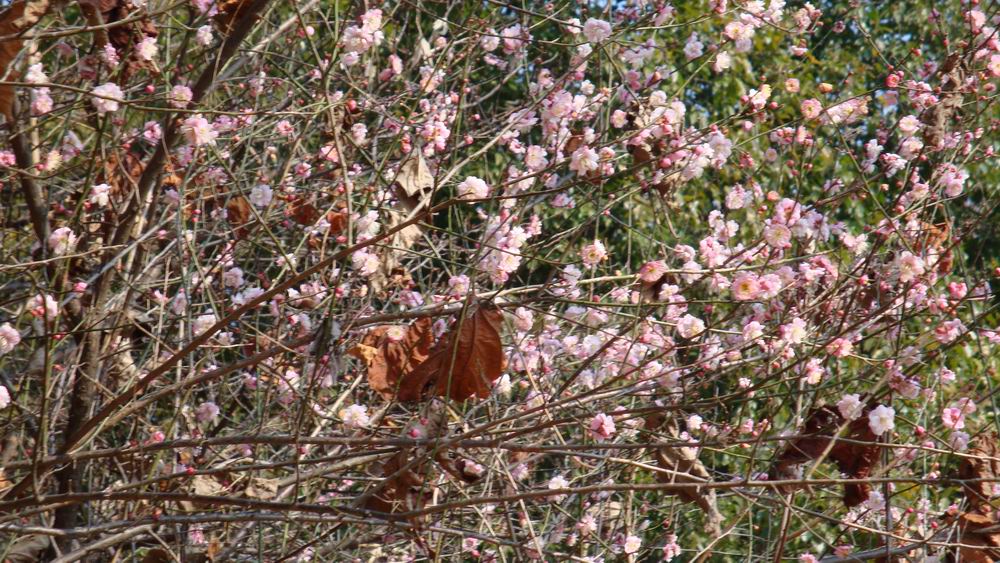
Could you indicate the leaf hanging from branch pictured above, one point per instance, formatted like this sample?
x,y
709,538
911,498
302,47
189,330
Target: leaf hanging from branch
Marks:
x,y
681,465
465,363
17,18
389,359
856,458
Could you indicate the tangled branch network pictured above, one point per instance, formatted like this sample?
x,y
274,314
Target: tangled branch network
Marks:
x,y
428,280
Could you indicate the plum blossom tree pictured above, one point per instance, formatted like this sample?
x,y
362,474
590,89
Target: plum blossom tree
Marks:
x,y
567,281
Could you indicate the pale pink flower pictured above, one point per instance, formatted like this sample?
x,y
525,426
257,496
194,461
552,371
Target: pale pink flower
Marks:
x,y
202,323
959,441
41,101
4,397
366,263
100,195
593,254
152,132
778,236
206,412
199,131
690,326
632,544
36,74
204,36
949,331
953,418
795,332
584,160
850,406
693,48
261,195
355,416
910,266
62,240
840,347
602,427
180,96
811,108
107,97
9,338
43,305
596,30
881,419
472,188
671,549
651,272
146,49
745,286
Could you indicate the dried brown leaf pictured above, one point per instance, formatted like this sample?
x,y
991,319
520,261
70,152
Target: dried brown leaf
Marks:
x,y
983,463
206,485
856,458
27,549
230,12
239,213
415,181
464,364
980,542
158,555
409,488
389,361
683,466
304,213
261,488
17,18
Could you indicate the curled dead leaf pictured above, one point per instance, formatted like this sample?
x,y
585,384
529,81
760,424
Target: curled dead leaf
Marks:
x,y
17,18
681,465
304,213
856,458
202,485
239,214
983,463
414,182
364,352
464,364
27,549
410,488
261,488
230,12
391,359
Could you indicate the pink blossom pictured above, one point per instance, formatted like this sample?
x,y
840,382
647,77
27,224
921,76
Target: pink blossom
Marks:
x,y
745,286
651,272
840,347
602,427
9,338
472,188
953,418
592,254
207,412
198,131
881,419
690,326
180,96
355,416
850,406
62,240
596,31
910,266
811,108
778,236
107,97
